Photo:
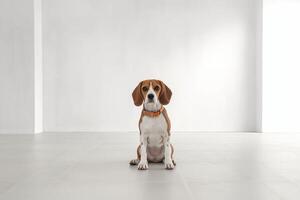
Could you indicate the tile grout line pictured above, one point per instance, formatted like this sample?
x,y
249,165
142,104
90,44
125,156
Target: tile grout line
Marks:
x,y
190,193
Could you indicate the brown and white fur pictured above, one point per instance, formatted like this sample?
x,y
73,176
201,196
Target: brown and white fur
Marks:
x,y
154,124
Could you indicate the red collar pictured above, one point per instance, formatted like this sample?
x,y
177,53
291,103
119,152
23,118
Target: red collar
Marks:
x,y
153,114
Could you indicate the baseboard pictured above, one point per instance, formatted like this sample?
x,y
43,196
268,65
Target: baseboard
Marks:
x,y
136,132
18,132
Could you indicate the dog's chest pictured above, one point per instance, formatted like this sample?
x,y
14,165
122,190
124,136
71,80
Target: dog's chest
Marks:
x,y
154,128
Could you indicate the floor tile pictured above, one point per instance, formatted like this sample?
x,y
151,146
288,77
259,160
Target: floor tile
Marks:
x,y
232,191
247,166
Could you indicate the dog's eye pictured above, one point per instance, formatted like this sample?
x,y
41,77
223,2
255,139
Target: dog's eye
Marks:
x,y
145,89
156,88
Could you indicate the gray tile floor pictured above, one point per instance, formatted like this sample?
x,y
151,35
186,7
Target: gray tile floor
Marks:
x,y
212,166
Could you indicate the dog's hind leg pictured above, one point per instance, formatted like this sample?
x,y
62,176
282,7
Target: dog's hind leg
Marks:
x,y
172,155
137,160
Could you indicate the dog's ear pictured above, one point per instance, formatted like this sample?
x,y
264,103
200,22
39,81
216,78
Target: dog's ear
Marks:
x,y
165,94
137,95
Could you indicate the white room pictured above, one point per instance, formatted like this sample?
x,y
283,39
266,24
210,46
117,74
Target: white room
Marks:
x,y
169,99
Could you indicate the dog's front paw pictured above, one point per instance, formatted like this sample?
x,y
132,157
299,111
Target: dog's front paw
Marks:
x,y
143,165
169,165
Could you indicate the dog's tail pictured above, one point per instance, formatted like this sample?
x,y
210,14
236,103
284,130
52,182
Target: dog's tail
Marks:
x,y
138,154
134,162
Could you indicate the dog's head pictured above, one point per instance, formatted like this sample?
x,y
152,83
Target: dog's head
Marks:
x,y
152,93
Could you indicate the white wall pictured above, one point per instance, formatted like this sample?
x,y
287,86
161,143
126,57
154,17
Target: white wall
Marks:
x,y
16,66
281,65
38,68
95,52
19,54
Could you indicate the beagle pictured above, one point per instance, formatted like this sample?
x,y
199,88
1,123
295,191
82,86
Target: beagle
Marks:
x,y
154,124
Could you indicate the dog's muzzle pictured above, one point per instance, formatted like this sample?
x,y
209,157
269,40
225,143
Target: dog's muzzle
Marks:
x,y
151,97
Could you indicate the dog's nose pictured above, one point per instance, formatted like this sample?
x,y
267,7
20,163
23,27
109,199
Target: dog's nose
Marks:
x,y
150,96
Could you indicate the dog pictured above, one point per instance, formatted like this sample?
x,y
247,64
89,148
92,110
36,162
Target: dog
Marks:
x,y
154,124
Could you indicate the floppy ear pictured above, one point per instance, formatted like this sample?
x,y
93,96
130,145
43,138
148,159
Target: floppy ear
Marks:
x,y
165,94
137,95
